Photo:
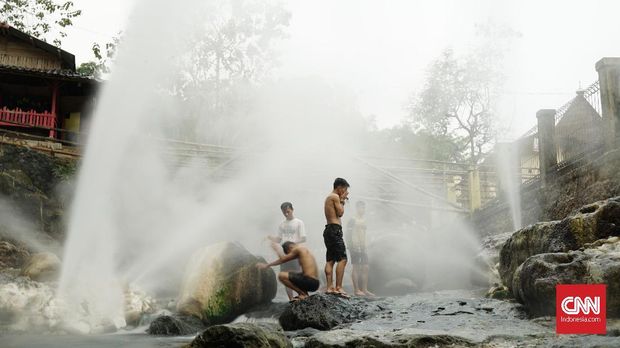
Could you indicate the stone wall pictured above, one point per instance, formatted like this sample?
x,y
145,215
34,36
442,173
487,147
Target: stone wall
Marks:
x,y
591,179
35,188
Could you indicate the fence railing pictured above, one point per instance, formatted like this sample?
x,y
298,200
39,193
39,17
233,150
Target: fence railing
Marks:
x,y
21,118
591,94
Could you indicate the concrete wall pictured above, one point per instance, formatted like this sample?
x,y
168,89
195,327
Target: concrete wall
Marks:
x,y
594,178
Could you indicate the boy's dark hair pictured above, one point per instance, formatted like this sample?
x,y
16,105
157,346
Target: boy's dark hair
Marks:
x,y
286,205
339,182
286,246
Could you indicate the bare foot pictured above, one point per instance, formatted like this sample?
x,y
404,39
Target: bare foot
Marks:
x,y
302,296
295,299
368,293
341,292
330,290
359,293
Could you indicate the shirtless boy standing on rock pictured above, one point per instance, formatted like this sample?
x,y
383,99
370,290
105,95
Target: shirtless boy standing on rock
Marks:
x,y
332,236
301,282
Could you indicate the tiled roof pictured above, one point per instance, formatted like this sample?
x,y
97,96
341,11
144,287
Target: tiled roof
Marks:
x,y
61,74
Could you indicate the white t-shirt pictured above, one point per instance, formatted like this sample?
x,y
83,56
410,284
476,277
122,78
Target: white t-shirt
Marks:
x,y
292,230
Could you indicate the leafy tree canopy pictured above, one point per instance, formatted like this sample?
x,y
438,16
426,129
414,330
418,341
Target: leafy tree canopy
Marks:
x,y
43,19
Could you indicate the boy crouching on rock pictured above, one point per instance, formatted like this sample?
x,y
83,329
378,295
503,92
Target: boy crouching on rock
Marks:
x,y
301,282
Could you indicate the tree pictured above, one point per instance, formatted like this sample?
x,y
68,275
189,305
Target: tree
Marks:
x,y
402,141
458,98
231,54
43,19
103,58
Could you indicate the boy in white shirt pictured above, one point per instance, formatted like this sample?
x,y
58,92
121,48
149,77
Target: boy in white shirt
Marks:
x,y
290,230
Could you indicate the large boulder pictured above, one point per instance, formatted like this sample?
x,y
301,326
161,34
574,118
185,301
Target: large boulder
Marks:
x,y
138,305
599,263
592,222
242,335
322,312
42,266
175,325
396,265
222,282
486,264
12,255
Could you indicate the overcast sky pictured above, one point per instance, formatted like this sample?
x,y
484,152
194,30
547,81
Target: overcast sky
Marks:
x,y
380,50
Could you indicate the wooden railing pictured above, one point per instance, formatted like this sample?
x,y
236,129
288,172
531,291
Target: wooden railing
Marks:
x,y
21,118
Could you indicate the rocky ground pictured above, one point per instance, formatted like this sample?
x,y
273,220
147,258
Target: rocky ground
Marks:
x,y
455,318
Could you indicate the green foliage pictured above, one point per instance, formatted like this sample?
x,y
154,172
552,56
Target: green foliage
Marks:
x,y
458,99
103,58
43,19
231,55
88,68
65,170
404,141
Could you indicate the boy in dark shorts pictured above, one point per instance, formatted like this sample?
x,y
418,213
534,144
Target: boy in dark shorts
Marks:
x,y
332,236
301,282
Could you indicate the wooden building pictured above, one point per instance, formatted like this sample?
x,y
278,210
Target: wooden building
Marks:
x,y
40,91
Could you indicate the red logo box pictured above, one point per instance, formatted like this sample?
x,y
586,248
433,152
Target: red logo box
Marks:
x,y
580,309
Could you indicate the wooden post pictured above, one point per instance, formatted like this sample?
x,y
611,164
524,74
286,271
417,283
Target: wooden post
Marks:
x,y
475,201
54,111
609,81
547,153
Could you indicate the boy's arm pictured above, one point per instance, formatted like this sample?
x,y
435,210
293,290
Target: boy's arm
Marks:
x,y
338,205
302,232
283,259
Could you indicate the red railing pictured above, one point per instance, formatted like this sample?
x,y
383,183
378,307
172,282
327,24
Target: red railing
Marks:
x,y
20,118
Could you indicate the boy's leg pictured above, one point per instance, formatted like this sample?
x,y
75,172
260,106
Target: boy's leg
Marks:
x,y
329,275
284,279
354,278
340,274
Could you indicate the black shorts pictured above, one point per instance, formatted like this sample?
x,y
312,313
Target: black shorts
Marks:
x,y
332,236
359,257
291,266
303,282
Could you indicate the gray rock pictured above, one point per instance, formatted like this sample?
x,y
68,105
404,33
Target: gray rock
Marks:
x,y
592,222
390,260
322,312
486,262
242,335
349,338
12,255
222,282
535,280
175,325
44,266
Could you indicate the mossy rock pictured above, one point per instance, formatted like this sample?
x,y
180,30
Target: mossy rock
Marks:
x,y
242,335
222,282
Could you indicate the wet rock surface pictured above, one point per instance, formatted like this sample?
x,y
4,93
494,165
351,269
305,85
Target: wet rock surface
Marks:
x,y
242,335
323,312
175,325
535,280
455,318
486,262
588,224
